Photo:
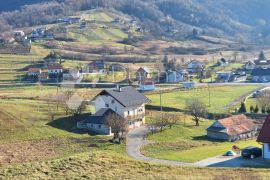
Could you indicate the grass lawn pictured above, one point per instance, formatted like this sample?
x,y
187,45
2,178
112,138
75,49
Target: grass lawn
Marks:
x,y
220,97
188,143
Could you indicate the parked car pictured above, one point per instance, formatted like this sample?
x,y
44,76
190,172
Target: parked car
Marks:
x,y
256,94
251,152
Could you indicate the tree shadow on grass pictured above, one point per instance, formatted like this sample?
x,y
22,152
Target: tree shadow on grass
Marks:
x,y
206,138
165,109
69,124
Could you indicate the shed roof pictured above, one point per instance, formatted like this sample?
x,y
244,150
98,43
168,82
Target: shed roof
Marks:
x,y
235,125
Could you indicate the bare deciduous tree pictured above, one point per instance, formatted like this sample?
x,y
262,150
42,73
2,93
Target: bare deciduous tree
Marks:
x,y
118,125
197,109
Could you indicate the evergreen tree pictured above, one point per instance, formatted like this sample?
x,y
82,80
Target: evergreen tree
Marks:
x,y
256,110
263,110
165,62
262,56
251,109
242,108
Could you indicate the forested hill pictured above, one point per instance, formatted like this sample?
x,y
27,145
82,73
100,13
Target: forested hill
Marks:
x,y
242,19
9,5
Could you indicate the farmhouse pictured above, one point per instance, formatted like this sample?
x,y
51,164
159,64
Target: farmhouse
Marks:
x,y
147,85
234,128
194,66
250,65
176,76
262,63
224,76
260,75
97,66
34,72
264,137
222,62
126,102
143,73
71,74
55,69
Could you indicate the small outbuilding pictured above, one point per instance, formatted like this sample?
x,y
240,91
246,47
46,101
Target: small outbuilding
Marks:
x,y
234,128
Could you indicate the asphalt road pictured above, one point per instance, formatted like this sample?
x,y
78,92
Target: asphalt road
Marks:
x,y
136,140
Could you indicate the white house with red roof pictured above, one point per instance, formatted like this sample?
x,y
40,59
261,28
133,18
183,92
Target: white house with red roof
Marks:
x,y
55,68
264,138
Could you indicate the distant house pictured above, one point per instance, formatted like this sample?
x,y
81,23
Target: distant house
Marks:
x,y
55,68
262,63
19,35
74,20
250,65
71,74
195,66
264,137
126,102
147,85
234,128
116,67
261,75
224,76
34,72
97,66
222,62
143,73
176,76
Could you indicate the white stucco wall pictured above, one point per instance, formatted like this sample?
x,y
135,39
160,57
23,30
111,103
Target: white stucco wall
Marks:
x,y
55,71
106,101
266,151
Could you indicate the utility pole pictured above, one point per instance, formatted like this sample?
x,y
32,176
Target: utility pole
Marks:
x,y
209,95
160,100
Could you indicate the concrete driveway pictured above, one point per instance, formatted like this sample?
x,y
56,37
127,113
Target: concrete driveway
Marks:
x,y
136,140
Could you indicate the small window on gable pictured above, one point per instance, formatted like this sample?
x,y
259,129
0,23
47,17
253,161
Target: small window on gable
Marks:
x,y
113,101
107,105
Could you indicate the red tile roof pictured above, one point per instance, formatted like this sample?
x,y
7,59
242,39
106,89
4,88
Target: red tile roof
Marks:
x,y
55,66
264,135
238,124
34,70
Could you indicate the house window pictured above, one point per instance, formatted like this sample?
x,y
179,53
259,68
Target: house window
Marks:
x,y
91,125
107,105
128,113
99,126
113,101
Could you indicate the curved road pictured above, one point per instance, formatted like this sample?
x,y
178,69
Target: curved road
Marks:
x,y
136,140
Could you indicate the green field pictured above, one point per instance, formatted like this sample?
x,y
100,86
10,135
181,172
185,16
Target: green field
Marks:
x,y
220,97
188,143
